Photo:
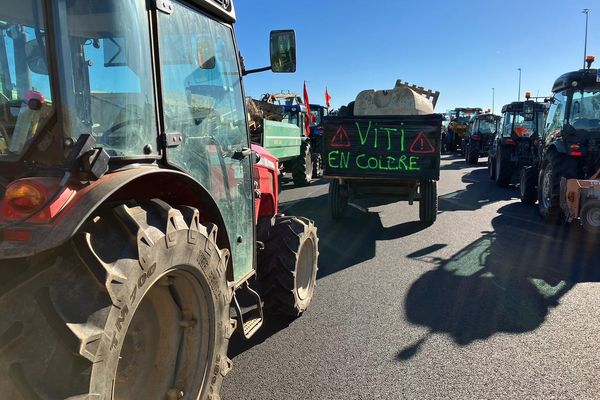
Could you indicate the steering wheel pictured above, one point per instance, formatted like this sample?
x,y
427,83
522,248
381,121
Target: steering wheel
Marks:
x,y
121,125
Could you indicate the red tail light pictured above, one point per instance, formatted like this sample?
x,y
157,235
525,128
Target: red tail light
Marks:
x,y
41,196
577,153
476,137
509,141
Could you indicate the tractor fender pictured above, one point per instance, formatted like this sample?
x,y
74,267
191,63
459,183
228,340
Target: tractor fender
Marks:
x,y
558,146
144,182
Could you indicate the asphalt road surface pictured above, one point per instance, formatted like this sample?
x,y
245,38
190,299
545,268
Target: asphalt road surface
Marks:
x,y
489,302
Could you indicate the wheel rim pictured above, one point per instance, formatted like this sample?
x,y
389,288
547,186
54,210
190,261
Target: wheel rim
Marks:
x,y
592,218
305,269
547,187
166,350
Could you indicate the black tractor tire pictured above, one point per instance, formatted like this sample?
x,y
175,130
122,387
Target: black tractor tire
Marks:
x,y
491,165
504,168
302,170
428,204
590,216
472,153
338,199
554,167
317,161
528,185
107,315
287,267
463,150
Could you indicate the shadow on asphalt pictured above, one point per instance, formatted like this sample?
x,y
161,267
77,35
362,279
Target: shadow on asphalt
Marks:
x,y
479,192
506,281
342,244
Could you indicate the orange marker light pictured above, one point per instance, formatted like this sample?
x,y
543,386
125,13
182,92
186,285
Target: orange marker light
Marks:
x,y
24,196
527,95
590,58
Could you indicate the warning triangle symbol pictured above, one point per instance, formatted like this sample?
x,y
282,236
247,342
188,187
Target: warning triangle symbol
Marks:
x,y
340,139
422,145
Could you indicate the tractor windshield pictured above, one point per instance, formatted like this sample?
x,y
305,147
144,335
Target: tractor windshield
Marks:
x,y
523,124
25,97
585,110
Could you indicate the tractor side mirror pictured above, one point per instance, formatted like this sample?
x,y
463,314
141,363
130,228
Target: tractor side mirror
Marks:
x,y
283,51
206,53
35,57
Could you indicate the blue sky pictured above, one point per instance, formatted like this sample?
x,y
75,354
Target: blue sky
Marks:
x,y
461,48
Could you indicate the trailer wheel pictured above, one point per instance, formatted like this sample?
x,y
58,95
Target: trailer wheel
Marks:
x,y
302,169
527,185
338,199
590,216
135,306
288,266
555,166
504,170
428,205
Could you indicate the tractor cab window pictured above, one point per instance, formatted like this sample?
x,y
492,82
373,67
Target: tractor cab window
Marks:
x,y
315,119
25,96
487,126
585,110
556,114
291,117
104,52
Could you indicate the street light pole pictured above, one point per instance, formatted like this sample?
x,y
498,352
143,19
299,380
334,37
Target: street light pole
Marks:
x,y
519,95
493,97
586,11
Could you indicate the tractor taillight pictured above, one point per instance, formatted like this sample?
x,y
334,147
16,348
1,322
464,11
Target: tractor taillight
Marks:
x,y
476,137
24,196
34,200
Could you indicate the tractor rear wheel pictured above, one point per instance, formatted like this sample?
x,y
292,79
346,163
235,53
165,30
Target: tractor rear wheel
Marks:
x,y
590,216
527,185
504,168
555,167
491,164
428,205
302,170
135,306
472,153
288,266
338,199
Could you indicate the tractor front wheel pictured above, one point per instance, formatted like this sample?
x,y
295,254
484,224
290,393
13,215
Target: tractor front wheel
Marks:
x,y
302,170
135,306
527,185
288,266
555,167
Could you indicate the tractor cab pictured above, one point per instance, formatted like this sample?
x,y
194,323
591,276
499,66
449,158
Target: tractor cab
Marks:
x,y
522,121
457,128
482,129
573,120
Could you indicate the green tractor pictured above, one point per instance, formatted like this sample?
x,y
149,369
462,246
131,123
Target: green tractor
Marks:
x,y
139,227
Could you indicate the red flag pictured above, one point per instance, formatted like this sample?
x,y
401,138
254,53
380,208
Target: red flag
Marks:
x,y
308,115
327,98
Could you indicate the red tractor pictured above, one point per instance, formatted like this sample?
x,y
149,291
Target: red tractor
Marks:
x,y
135,217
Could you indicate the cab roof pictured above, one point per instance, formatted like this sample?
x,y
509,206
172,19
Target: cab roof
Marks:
x,y
518,106
221,8
583,78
